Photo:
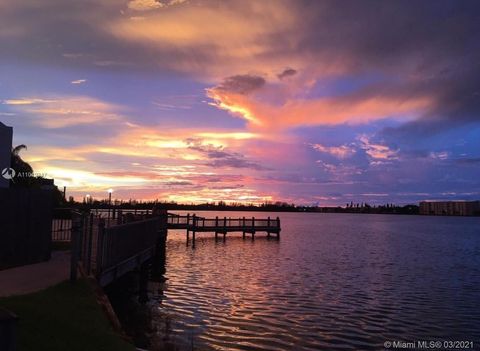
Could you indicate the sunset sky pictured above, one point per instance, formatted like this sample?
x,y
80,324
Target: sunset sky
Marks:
x,y
312,102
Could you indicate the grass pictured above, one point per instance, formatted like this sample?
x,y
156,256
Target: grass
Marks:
x,y
61,245
63,317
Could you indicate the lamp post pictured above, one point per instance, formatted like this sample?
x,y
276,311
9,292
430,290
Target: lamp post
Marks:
x,y
110,191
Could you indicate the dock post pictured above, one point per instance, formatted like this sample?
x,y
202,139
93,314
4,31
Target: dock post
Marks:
x,y
188,236
268,226
243,226
143,283
278,229
253,228
216,228
158,262
194,226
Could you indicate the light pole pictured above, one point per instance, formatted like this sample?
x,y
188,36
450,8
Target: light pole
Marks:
x,y
110,191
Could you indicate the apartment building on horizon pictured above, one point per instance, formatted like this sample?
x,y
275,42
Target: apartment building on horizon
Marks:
x,y
450,208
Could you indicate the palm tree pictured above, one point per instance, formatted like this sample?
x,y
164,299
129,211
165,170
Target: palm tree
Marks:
x,y
20,166
28,179
16,161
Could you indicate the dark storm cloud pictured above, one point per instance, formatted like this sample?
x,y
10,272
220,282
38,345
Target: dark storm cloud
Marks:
x,y
288,72
219,157
427,48
241,84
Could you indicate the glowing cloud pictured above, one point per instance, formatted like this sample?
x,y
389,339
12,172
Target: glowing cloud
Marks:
x,y
342,151
248,99
63,111
78,81
377,151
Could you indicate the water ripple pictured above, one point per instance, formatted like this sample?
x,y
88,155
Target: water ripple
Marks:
x,y
333,282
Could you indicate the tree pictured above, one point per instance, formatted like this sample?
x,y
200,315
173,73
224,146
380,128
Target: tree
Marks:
x,y
26,178
17,163
20,166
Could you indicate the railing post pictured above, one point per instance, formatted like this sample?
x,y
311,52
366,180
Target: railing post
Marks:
x,y
88,264
76,241
100,240
119,216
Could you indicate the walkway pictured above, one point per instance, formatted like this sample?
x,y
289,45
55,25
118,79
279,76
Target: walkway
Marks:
x,y
34,277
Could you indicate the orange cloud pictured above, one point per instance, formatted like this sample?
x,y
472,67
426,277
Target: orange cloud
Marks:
x,y
237,35
64,111
293,112
377,151
342,151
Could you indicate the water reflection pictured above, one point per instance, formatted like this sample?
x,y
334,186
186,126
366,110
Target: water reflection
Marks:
x,y
332,282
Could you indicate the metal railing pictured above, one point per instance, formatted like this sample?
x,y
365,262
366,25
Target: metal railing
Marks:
x,y
109,251
61,229
120,242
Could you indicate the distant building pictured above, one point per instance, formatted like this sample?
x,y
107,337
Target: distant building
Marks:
x,y
5,152
450,208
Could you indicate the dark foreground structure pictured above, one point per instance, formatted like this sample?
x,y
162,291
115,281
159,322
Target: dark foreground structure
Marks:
x,y
25,226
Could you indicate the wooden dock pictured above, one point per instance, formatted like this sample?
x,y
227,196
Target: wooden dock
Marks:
x,y
194,224
108,245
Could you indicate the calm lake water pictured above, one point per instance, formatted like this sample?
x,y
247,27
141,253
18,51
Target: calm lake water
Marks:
x,y
333,281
